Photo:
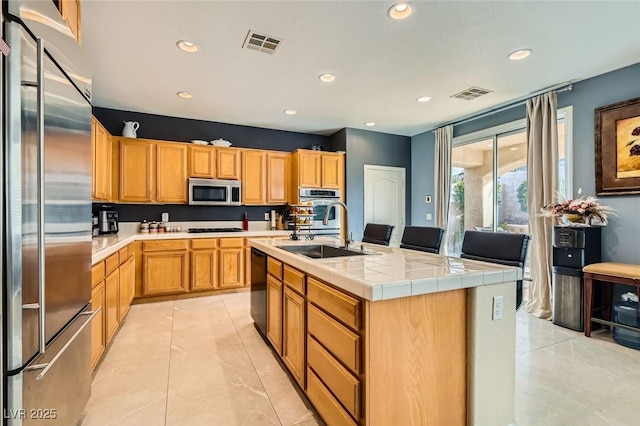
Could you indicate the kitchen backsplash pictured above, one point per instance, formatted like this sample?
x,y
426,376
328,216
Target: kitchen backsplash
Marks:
x,y
186,213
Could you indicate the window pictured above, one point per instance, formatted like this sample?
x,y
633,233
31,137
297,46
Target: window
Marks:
x,y
489,179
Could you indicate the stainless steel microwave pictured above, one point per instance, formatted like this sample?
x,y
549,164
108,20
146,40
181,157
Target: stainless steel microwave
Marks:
x,y
211,192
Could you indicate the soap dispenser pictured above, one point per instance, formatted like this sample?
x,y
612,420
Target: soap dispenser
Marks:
x,y
245,222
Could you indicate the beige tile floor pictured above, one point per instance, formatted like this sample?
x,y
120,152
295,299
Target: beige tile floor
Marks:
x,y
200,362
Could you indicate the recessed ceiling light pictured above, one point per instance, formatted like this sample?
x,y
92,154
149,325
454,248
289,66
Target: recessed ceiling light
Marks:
x,y
519,54
327,77
369,124
290,111
400,11
515,148
490,145
185,95
187,46
423,99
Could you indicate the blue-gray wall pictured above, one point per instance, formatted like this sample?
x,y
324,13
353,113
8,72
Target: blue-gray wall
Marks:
x,y
374,148
153,126
620,238
422,178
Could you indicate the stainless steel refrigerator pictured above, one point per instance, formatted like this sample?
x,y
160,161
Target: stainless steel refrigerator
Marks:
x,y
46,218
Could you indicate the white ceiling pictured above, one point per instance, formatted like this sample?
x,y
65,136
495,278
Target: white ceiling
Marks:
x,y
381,65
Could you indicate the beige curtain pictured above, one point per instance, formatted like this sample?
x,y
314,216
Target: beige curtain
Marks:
x,y
442,174
542,177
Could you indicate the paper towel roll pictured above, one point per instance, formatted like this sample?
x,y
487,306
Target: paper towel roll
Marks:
x,y
273,219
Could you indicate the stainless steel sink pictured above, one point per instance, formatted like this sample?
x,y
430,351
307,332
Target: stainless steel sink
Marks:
x,y
321,251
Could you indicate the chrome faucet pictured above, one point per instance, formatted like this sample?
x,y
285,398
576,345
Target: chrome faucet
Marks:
x,y
325,221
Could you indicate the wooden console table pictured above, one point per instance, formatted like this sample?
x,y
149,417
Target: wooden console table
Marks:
x,y
607,273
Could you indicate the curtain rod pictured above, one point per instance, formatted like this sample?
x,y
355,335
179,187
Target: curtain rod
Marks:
x,y
511,104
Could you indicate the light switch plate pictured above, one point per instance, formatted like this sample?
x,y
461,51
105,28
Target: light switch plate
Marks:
x,y
429,216
165,217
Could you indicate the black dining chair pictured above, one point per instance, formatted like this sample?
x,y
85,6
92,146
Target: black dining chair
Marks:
x,y
422,238
377,234
497,247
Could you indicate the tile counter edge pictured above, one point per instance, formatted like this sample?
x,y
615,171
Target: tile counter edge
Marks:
x,y
379,281
114,243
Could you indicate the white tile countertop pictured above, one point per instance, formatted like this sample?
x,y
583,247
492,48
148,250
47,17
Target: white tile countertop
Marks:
x,y
388,272
104,246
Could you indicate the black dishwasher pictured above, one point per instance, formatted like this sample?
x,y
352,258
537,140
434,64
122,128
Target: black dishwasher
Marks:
x,y
259,290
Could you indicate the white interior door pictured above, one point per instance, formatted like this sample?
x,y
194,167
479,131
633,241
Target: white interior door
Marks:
x,y
384,198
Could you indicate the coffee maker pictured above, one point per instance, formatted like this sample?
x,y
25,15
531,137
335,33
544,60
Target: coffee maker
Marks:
x,y
107,222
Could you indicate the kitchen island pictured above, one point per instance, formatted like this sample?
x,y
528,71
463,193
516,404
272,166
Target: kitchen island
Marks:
x,y
393,336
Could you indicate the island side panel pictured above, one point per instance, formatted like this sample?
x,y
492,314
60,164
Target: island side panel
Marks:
x,y
416,354
492,356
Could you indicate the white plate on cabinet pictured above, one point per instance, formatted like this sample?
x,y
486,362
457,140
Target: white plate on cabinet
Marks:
x,y
220,142
199,142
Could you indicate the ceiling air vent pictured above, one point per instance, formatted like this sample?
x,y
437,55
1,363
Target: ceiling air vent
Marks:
x,y
471,93
261,42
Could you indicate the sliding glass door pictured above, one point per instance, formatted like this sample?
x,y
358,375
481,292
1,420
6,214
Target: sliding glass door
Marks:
x,y
489,180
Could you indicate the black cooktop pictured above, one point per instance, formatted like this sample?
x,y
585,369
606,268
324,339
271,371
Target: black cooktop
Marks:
x,y
201,230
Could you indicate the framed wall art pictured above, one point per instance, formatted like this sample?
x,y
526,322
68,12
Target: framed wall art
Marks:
x,y
617,145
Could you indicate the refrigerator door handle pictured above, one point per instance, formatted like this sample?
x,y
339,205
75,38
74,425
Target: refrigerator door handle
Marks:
x,y
47,366
42,341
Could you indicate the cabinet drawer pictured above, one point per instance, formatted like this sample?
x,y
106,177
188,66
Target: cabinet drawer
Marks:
x,y
164,245
342,342
111,263
231,242
123,254
344,308
328,407
97,273
337,378
274,267
204,243
294,279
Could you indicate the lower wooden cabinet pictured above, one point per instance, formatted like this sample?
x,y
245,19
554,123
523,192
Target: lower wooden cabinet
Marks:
x,y
231,267
315,328
274,313
294,334
204,270
132,279
112,303
247,266
164,272
126,287
98,336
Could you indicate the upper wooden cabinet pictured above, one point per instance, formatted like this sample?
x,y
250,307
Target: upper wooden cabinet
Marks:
x,y
277,177
332,166
202,162
315,169
265,177
153,171
254,177
100,161
70,11
137,161
228,163
307,165
171,172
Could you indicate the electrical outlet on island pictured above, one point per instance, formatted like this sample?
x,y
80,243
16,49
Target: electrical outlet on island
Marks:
x,y
498,308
